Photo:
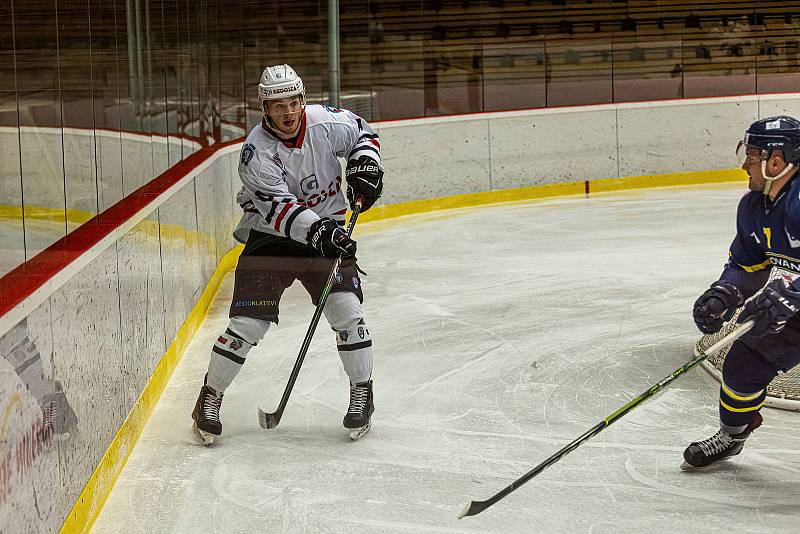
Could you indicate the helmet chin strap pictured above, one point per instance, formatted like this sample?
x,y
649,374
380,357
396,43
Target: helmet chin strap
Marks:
x,y
767,180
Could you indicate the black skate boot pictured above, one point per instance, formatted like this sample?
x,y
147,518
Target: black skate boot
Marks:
x,y
718,447
206,415
358,415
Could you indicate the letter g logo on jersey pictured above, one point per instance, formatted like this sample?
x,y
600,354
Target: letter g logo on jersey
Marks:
x,y
309,184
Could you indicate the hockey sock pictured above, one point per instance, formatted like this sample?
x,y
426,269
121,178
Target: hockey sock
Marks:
x,y
231,348
344,314
355,351
737,409
745,376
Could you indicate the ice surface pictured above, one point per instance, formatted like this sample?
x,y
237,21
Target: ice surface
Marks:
x,y
501,333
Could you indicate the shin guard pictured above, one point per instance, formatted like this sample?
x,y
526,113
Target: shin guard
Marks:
x,y
355,350
231,348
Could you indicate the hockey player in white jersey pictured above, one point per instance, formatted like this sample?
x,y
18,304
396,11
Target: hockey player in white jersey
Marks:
x,y
294,209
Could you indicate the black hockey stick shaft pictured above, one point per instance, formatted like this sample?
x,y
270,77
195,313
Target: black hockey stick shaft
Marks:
x,y
476,507
271,420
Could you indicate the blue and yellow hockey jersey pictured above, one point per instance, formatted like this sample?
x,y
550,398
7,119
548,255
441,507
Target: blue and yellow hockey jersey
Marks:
x,y
767,235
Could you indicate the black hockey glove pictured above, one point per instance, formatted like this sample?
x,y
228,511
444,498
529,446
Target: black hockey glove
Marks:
x,y
365,180
716,305
329,239
771,308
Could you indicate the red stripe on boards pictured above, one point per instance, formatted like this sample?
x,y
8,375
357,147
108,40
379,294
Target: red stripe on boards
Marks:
x,y
24,280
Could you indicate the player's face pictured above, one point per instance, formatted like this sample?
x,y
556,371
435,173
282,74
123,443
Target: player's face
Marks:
x,y
752,166
285,113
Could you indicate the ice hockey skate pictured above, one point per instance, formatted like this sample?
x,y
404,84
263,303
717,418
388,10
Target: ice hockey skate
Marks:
x,y
206,424
357,419
718,447
59,421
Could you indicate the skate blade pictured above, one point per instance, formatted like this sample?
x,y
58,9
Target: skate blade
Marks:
x,y
686,466
205,438
356,433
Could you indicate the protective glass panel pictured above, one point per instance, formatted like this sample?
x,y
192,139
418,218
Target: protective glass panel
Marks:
x,y
40,118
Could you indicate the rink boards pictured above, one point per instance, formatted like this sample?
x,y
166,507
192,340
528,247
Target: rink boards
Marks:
x,y
106,318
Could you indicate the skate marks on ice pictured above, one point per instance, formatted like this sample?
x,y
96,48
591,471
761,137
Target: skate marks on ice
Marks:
x,y
322,488
749,481
487,361
717,497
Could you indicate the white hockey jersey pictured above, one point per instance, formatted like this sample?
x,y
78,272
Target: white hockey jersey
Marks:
x,y
288,185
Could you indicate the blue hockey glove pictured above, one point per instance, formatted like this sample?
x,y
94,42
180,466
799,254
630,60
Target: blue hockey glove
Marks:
x,y
716,306
776,304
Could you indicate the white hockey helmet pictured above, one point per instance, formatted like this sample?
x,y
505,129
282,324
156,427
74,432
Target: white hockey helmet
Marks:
x,y
280,81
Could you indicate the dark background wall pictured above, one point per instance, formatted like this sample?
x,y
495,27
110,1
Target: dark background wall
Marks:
x,y
97,97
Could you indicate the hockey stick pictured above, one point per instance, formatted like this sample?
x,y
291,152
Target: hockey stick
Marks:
x,y
476,507
271,420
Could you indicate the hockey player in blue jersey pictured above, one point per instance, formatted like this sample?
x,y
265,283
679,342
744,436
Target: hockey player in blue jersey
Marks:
x,y
767,236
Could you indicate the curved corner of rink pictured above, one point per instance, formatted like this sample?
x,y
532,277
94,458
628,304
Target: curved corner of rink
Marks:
x,y
501,333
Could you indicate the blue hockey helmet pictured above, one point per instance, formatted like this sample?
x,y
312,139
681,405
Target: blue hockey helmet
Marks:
x,y
774,133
